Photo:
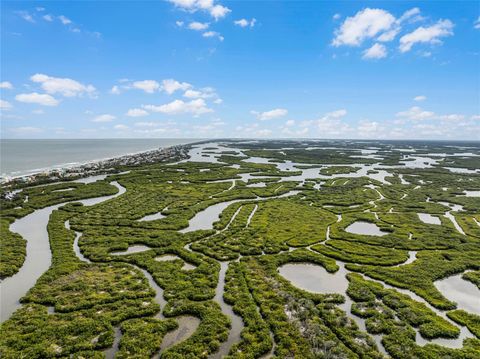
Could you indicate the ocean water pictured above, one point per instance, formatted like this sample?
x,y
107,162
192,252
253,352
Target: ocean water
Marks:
x,y
23,157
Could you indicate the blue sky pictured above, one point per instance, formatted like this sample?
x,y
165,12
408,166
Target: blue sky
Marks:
x,y
205,68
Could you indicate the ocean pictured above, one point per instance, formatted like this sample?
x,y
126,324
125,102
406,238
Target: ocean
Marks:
x,y
24,157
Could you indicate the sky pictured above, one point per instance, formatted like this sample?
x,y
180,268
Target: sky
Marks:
x,y
248,69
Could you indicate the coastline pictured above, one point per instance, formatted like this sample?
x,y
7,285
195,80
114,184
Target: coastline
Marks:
x,y
97,167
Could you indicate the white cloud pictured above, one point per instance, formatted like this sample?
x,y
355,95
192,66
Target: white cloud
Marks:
x,y
38,112
64,86
409,14
171,85
245,22
335,114
104,118
415,113
212,128
204,93
389,35
48,17
65,20
452,117
336,16
121,127
475,118
26,16
213,34
270,115
198,26
195,107
476,24
179,23
420,98
5,105
115,90
366,23
369,129
39,8
331,125
136,112
377,51
6,85
34,97
217,11
149,86
428,35
146,124
412,15
287,130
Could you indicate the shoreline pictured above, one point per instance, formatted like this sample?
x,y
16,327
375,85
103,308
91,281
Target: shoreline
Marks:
x,y
99,166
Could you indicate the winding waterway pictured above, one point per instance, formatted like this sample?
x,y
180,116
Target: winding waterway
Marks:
x,y
33,228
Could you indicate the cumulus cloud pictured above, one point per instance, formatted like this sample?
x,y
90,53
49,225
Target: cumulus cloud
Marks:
x,y
64,86
427,35
419,98
415,113
145,124
121,127
198,26
5,105
377,51
6,85
245,22
179,23
104,118
369,129
40,99
216,11
213,34
115,90
336,16
171,85
290,132
476,24
195,107
409,14
331,125
48,17
149,86
270,115
212,128
452,117
389,35
136,112
205,93
366,23
64,20
26,16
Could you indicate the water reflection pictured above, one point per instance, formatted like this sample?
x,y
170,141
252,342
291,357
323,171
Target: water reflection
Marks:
x,y
365,229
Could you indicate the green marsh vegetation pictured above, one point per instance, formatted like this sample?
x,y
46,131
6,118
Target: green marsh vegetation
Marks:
x,y
77,308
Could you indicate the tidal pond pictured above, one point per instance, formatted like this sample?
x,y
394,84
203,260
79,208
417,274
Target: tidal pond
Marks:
x,y
365,229
464,293
429,219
